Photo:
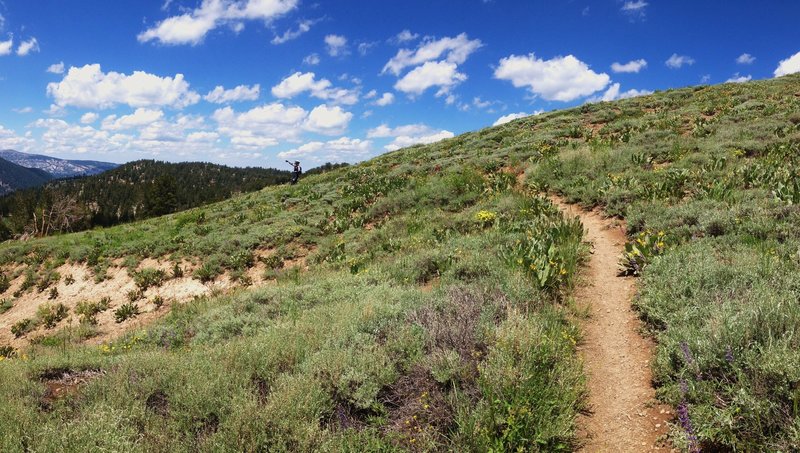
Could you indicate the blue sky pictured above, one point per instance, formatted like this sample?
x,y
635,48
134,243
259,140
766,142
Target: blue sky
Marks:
x,y
254,82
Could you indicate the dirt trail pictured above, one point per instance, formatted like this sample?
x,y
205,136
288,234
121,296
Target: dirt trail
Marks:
x,y
624,415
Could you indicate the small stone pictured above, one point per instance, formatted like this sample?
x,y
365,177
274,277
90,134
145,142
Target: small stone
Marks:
x,y
658,425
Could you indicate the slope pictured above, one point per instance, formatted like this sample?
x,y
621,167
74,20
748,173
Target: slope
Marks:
x,y
134,191
14,177
59,168
422,300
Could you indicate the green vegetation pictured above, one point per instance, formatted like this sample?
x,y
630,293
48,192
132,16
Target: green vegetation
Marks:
x,y
134,191
716,171
434,313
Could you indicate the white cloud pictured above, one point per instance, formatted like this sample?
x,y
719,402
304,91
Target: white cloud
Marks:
x,y
141,117
288,35
454,50
739,78
386,99
440,74
26,47
480,103
10,140
634,6
365,47
372,94
632,66
677,61
339,150
261,126
208,137
745,58
790,65
336,45
558,79
410,134
613,93
327,120
300,82
191,27
6,46
89,117
56,68
220,95
23,110
514,116
404,36
311,60
90,87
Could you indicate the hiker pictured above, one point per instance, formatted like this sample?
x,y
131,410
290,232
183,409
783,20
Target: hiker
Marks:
x,y
296,171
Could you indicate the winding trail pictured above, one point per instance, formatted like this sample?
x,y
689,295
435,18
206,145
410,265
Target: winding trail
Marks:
x,y
624,414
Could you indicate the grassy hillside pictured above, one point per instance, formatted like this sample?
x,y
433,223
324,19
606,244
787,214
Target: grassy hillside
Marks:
x,y
434,312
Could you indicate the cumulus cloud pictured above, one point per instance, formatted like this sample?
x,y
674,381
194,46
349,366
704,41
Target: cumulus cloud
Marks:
x,y
261,126
410,134
56,68
386,99
288,35
745,58
514,116
141,117
327,120
10,140
632,66
89,118
558,79
191,27
453,50
790,65
300,82
613,93
339,150
6,46
311,60
220,95
739,78
26,47
336,45
440,74
90,87
678,61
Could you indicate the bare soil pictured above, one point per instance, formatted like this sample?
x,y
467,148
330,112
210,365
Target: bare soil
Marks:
x,y
624,415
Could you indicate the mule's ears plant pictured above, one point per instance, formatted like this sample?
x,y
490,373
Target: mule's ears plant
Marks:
x,y
641,251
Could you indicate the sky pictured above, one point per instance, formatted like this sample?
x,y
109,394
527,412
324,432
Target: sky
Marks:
x,y
257,82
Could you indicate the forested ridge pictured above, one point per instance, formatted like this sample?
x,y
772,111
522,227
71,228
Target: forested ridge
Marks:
x,y
134,191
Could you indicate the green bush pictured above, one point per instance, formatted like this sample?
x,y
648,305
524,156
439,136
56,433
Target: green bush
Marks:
x,y
23,326
50,314
126,311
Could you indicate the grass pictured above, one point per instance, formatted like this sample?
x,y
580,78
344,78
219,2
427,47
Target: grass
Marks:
x,y
434,313
715,171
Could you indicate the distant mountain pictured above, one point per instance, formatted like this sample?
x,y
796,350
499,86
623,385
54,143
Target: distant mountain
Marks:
x,y
59,168
133,191
14,177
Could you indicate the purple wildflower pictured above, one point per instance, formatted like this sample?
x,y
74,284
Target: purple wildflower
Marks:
x,y
684,388
687,353
729,355
686,424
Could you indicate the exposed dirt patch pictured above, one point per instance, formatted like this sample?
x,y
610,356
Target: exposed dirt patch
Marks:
x,y
63,383
625,416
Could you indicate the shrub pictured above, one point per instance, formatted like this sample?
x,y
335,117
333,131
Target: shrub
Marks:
x,y
158,301
22,327
4,283
149,277
51,314
134,295
5,305
53,294
88,310
177,272
641,251
69,279
126,311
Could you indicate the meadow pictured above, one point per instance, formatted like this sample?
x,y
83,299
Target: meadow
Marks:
x,y
434,312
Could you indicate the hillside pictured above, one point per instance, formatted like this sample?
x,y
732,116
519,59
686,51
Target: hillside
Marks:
x,y
133,191
423,300
59,168
14,177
